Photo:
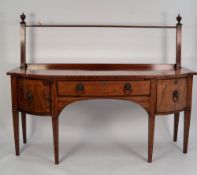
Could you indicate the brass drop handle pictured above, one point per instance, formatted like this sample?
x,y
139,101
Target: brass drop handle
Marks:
x,y
29,96
127,88
175,95
80,88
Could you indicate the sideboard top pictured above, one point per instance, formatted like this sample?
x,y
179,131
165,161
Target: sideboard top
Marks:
x,y
108,71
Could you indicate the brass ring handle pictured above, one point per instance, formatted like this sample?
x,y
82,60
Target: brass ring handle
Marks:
x,y
127,88
29,96
175,95
80,88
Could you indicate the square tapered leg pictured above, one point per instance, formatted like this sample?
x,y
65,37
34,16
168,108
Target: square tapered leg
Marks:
x,y
15,115
55,124
23,121
176,125
151,128
187,117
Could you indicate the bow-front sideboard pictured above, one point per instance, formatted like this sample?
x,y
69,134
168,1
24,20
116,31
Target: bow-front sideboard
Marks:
x,y
45,89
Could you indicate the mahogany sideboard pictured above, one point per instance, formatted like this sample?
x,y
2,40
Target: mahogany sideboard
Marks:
x,y
45,89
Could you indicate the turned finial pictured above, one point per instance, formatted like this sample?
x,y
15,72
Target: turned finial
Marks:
x,y
23,16
178,18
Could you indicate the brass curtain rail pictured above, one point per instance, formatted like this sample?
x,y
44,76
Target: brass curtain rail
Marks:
x,y
99,26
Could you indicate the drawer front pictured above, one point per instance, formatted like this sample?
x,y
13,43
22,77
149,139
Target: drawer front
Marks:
x,y
171,94
103,88
34,96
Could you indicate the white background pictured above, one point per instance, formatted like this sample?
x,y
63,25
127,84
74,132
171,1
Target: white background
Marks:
x,y
97,136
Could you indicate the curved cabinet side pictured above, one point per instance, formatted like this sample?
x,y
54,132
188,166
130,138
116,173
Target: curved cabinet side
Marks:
x,y
171,95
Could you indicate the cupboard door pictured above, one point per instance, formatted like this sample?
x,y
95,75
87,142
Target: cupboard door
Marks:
x,y
34,96
171,95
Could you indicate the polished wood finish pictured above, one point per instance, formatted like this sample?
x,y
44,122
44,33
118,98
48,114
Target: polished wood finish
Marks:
x,y
101,71
178,42
99,66
55,124
23,40
46,89
15,115
171,94
103,88
187,114
33,96
151,129
176,125
143,101
24,126
187,117
151,120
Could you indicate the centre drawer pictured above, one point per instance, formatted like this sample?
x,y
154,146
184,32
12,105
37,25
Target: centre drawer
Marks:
x,y
103,88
